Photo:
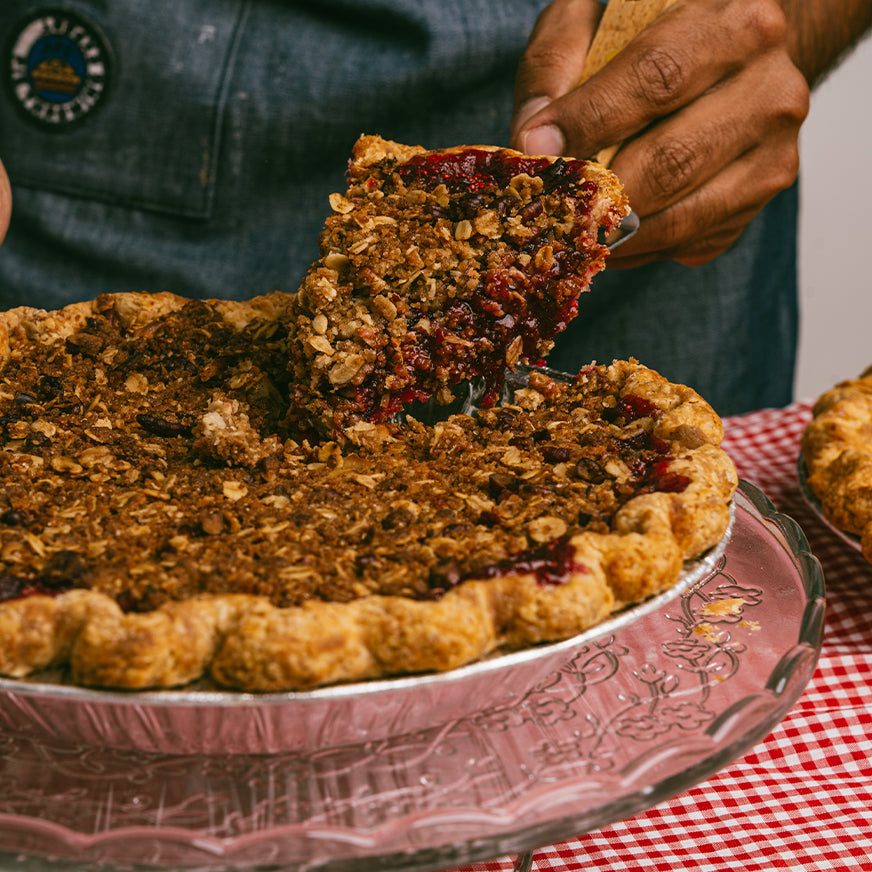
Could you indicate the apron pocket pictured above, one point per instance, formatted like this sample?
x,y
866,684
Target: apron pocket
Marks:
x,y
119,102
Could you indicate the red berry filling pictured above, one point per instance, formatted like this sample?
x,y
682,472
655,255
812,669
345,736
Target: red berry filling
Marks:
x,y
12,587
527,293
473,170
551,563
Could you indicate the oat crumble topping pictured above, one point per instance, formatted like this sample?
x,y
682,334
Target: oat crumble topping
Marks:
x,y
439,266
153,466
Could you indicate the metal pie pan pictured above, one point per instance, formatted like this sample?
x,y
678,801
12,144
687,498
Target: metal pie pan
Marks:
x,y
202,719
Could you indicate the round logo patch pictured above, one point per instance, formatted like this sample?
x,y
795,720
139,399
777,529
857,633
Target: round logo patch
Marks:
x,y
59,66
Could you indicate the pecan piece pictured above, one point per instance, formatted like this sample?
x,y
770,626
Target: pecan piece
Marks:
x,y
158,426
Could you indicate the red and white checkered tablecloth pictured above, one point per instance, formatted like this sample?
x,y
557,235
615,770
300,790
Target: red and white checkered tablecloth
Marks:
x,y
802,798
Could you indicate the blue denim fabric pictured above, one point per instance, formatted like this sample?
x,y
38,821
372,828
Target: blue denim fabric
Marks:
x,y
207,169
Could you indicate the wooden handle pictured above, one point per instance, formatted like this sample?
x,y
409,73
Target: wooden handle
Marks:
x,y
621,21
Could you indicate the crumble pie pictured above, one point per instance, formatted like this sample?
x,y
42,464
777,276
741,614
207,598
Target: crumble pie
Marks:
x,y
837,450
159,521
225,489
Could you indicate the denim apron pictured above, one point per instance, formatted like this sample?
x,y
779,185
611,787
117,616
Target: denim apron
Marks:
x,y
211,133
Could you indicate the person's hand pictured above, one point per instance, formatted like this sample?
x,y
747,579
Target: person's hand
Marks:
x,y
707,103
5,203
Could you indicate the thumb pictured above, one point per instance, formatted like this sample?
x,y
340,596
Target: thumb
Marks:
x,y
550,67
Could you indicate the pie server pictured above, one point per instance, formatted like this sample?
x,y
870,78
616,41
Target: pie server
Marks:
x,y
621,21
627,228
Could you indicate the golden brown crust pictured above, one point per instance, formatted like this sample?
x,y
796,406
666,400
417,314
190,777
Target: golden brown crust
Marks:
x,y
837,450
243,639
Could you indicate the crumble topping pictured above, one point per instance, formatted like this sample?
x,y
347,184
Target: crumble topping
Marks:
x,y
160,520
170,475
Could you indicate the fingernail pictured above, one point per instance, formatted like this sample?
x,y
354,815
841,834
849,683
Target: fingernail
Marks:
x,y
528,110
547,140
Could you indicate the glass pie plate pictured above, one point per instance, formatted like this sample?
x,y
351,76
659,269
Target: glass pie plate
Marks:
x,y
617,722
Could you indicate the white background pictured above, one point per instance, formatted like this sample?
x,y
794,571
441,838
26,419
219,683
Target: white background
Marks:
x,y
836,229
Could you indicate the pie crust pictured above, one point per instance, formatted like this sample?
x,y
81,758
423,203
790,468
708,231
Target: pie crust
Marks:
x,y
837,450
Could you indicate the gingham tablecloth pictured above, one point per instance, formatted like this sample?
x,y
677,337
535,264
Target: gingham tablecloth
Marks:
x,y
802,798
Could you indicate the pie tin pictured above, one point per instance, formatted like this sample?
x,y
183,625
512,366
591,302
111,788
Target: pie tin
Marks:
x,y
204,719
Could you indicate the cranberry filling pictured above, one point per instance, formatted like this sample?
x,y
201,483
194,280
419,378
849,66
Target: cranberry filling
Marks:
x,y
481,330
474,170
668,482
631,408
550,563
12,587
651,467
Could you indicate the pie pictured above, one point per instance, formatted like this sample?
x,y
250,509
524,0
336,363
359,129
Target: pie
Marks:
x,y
195,489
439,266
837,450
158,524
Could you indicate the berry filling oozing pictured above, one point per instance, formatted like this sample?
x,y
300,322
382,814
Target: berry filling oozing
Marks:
x,y
527,291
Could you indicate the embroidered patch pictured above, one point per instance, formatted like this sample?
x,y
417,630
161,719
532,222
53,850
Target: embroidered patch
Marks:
x,y
59,66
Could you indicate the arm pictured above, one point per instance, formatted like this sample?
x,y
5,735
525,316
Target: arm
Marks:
x,y
5,203
708,101
819,36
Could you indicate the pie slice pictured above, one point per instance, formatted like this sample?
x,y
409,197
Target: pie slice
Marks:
x,y
837,450
159,521
439,266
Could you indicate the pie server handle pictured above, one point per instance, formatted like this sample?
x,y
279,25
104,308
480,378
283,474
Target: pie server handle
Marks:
x,y
621,21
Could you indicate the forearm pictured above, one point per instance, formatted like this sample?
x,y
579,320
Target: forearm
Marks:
x,y
5,202
822,31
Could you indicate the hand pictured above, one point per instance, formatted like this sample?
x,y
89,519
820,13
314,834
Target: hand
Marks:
x,y
5,203
706,100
